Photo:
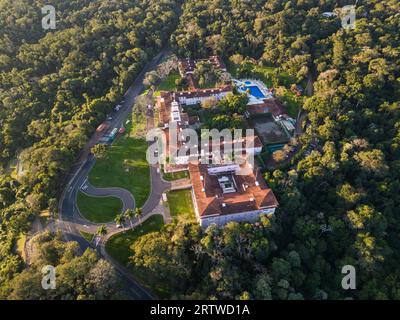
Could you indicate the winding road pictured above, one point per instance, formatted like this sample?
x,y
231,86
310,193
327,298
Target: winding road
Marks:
x,y
128,201
70,220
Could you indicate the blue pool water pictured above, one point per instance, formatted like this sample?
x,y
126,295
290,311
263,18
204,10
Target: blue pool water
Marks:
x,y
255,91
247,82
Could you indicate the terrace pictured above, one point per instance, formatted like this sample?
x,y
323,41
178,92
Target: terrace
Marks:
x,y
255,89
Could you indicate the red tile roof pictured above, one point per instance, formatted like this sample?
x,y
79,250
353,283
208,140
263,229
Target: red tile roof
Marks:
x,y
252,192
188,65
270,105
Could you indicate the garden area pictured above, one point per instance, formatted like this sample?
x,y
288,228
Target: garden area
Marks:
x,y
291,102
98,209
181,205
119,247
168,83
172,176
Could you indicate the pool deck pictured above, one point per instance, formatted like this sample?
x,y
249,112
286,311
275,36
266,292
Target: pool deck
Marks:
x,y
243,84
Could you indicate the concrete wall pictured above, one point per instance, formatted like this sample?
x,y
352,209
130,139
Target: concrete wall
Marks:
x,y
249,216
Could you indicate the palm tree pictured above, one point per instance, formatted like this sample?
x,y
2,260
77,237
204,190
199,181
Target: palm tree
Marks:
x,y
119,220
138,213
102,230
129,213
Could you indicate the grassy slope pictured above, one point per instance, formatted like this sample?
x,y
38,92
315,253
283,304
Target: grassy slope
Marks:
x,y
99,209
118,246
125,165
88,236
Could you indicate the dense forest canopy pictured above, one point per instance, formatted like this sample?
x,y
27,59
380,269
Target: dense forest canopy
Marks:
x,y
339,205
56,86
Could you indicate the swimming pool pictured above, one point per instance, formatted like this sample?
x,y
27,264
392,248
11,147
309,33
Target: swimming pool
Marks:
x,y
255,91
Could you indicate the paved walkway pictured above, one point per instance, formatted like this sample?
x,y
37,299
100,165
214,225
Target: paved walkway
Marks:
x,y
181,184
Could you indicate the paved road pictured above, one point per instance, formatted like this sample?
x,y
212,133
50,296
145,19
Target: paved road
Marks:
x,y
128,201
70,221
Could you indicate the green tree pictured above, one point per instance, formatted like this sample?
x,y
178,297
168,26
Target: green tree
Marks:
x,y
129,214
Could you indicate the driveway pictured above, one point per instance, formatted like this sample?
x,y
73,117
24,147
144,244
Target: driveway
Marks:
x,y
128,201
70,221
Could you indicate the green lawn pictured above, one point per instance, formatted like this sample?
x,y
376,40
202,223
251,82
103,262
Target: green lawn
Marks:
x,y
168,84
125,164
99,209
88,236
171,176
181,205
118,246
291,102
264,73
